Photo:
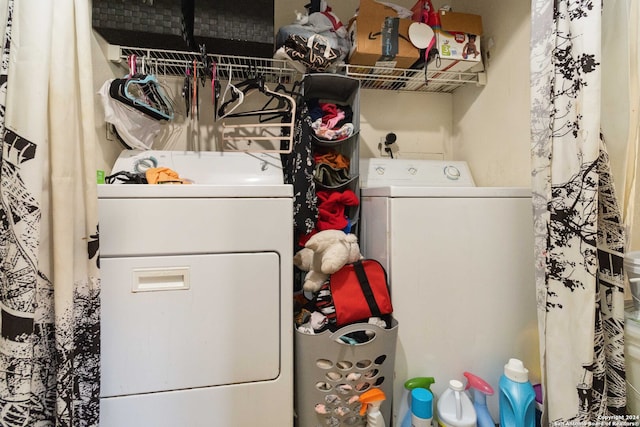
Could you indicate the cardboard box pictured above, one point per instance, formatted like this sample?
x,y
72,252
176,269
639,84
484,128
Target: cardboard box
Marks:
x,y
366,34
458,42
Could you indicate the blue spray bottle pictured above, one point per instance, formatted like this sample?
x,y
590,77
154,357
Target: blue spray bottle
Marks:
x,y
481,389
404,413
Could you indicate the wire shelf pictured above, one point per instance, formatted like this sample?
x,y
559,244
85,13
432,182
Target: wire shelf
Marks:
x,y
384,78
176,63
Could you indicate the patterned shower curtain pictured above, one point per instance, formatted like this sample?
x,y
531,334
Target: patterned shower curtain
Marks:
x,y
49,286
579,234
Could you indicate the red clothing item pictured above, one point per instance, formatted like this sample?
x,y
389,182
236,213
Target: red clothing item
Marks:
x,y
331,207
331,114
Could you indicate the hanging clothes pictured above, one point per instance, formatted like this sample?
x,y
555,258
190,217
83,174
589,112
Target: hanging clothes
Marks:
x,y
298,167
49,279
579,234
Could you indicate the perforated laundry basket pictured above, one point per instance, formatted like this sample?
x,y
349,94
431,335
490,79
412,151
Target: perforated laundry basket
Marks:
x,y
331,373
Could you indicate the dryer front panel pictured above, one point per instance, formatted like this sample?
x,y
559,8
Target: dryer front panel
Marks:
x,y
164,226
189,321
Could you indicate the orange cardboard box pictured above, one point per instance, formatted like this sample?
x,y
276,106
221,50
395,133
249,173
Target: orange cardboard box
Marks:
x,y
365,32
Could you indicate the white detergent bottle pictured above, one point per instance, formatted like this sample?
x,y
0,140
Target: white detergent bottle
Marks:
x,y
455,408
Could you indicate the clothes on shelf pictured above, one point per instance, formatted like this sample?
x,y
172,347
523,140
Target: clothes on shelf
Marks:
x,y
332,122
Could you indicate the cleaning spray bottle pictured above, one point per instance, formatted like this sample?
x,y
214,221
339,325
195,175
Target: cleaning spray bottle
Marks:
x,y
421,408
404,414
455,408
481,389
371,401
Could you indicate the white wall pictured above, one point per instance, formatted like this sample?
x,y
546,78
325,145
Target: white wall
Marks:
x,y
421,122
615,83
491,123
616,106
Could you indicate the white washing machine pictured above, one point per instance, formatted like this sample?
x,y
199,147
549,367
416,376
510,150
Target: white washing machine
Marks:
x,y
196,294
461,270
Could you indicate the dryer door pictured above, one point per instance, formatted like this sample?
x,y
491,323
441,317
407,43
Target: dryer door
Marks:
x,y
178,322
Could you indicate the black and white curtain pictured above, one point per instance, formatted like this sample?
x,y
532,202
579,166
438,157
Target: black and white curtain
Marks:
x,y
49,282
580,238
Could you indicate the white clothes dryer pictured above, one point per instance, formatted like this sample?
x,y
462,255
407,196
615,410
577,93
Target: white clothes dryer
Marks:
x,y
461,270
196,293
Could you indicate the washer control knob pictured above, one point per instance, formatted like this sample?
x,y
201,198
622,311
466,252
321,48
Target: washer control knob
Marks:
x,y
452,172
412,171
380,170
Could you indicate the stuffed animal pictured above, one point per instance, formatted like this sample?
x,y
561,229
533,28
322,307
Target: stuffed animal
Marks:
x,y
325,253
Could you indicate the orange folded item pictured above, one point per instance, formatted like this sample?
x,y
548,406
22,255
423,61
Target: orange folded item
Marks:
x,y
164,176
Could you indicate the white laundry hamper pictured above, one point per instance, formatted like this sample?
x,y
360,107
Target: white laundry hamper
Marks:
x,y
332,373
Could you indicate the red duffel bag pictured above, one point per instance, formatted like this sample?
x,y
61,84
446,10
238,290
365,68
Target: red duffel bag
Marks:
x,y
360,290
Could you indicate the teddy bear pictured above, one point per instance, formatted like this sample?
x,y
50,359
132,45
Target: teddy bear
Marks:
x,y
325,253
